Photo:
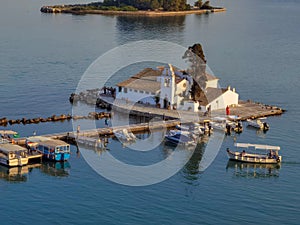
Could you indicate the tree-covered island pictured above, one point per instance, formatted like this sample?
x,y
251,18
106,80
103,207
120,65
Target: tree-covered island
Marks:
x,y
144,7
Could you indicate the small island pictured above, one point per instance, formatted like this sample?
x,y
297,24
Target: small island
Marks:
x,y
137,7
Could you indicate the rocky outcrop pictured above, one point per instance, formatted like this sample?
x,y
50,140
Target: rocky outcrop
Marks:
x,y
54,118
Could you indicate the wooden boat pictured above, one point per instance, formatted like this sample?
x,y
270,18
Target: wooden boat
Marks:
x,y
258,124
51,149
269,156
12,155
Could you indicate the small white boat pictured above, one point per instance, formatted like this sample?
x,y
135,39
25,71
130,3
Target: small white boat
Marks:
x,y
124,135
219,123
247,155
9,134
12,155
180,137
194,128
258,124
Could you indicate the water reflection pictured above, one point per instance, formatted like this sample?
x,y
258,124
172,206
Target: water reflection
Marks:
x,y
191,169
16,174
56,169
253,170
131,28
259,133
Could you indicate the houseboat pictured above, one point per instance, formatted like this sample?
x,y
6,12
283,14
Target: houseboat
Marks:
x,y
12,155
51,149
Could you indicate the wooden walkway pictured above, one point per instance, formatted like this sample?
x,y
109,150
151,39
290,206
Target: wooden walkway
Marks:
x,y
86,135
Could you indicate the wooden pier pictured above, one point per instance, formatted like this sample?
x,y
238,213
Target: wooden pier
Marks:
x,y
164,119
91,137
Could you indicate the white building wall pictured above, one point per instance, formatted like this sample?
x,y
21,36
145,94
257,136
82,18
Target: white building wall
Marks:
x,y
189,106
181,87
177,101
136,95
167,89
227,98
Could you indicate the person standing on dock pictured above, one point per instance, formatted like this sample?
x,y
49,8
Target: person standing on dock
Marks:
x,y
106,122
78,130
227,110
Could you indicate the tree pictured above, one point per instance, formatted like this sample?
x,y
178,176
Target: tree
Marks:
x,y
197,66
206,5
198,4
154,4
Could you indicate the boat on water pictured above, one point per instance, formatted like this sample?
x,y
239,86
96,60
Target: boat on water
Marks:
x,y
12,155
249,153
258,124
219,123
180,137
194,128
52,149
124,135
234,126
9,134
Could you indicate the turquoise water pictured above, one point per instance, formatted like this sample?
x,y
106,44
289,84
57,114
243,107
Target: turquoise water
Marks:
x,y
254,46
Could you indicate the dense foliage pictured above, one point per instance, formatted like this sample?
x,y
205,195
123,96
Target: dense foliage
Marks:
x,y
133,5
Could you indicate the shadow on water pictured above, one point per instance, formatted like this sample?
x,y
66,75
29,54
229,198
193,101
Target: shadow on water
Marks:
x,y
134,28
253,170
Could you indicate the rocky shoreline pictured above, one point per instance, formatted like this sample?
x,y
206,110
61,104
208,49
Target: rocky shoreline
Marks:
x,y
64,9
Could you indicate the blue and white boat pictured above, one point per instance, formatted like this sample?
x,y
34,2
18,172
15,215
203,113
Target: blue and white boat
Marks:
x,y
194,128
51,149
180,137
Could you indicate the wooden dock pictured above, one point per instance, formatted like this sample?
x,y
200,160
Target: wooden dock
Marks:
x,y
91,137
165,119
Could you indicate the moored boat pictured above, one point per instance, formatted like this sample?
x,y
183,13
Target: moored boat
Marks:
x,y
51,149
258,124
180,137
124,135
9,134
270,155
12,155
191,127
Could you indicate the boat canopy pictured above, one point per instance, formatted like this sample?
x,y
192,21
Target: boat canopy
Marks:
x,y
257,146
8,132
11,148
46,141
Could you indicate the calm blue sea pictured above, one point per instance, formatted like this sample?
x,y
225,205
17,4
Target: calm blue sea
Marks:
x,y
254,46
